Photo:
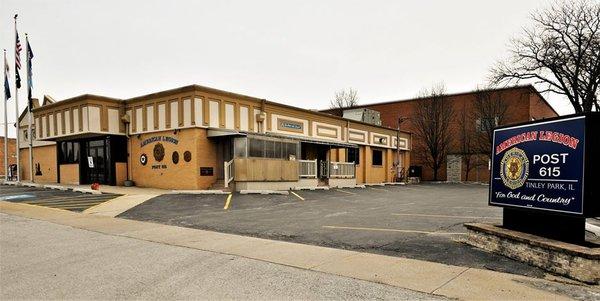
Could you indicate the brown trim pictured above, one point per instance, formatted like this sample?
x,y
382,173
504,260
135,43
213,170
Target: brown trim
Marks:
x,y
71,122
80,118
354,132
193,110
55,123
251,121
180,111
320,126
47,125
206,111
62,122
236,116
120,112
221,113
104,118
144,117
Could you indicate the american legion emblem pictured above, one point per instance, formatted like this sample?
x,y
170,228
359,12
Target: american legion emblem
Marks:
x,y
514,168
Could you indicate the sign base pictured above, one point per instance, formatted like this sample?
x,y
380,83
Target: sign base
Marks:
x,y
560,227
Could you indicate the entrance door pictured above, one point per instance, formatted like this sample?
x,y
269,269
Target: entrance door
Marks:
x,y
96,162
224,154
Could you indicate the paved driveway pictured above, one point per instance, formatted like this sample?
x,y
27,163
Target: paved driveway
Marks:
x,y
67,200
415,221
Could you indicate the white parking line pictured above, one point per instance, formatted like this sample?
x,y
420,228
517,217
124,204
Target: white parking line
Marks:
x,y
348,192
301,198
378,189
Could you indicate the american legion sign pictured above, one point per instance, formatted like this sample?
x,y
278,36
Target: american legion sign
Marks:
x,y
545,175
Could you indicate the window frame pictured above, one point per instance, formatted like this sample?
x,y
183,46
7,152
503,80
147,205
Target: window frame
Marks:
x,y
377,151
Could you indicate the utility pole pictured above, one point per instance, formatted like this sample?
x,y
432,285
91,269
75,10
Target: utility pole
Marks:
x,y
400,121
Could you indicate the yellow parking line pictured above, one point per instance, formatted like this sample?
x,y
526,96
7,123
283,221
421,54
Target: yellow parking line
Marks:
x,y
378,189
395,230
301,198
228,201
348,192
445,216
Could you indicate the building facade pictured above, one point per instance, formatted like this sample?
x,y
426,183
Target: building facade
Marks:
x,y
12,154
196,137
523,103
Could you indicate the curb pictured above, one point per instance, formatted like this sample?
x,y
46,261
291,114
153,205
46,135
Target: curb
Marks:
x,y
199,192
282,192
354,186
312,188
85,190
57,187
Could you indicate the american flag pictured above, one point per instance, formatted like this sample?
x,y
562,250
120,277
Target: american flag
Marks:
x,y
17,61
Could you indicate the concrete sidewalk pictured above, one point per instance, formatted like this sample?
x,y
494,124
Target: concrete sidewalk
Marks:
x,y
433,278
119,205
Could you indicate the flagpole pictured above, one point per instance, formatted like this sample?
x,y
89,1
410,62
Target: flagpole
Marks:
x,y
17,110
29,113
5,129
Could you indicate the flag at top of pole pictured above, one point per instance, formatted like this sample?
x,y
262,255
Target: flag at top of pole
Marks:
x,y
29,73
6,73
17,57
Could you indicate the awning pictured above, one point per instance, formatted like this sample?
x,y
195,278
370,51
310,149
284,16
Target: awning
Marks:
x,y
223,133
309,140
330,143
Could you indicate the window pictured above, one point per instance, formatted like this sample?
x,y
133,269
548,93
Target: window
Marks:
x,y
271,148
68,152
256,148
377,159
486,124
239,147
354,155
26,136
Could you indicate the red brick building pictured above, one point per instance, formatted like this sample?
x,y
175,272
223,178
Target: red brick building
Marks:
x,y
12,157
523,103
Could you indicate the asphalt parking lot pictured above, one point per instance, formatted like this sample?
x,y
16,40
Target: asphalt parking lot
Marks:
x,y
60,199
414,221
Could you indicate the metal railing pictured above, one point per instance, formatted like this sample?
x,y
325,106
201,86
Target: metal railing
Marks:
x,y
307,168
228,168
342,170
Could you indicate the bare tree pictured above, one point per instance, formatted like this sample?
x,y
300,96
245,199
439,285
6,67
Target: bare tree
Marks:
x,y
489,111
431,122
345,98
466,140
561,52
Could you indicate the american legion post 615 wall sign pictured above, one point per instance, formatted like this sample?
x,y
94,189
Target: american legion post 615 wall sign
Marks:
x,y
547,168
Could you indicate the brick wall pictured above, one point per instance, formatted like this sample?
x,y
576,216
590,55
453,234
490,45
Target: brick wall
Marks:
x,y
12,157
524,103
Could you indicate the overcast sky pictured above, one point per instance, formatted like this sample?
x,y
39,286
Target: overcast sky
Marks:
x,y
294,52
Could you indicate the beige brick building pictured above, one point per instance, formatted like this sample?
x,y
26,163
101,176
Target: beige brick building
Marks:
x,y
196,137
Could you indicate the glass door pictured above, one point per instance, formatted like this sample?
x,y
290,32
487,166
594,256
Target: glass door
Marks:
x,y
96,162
